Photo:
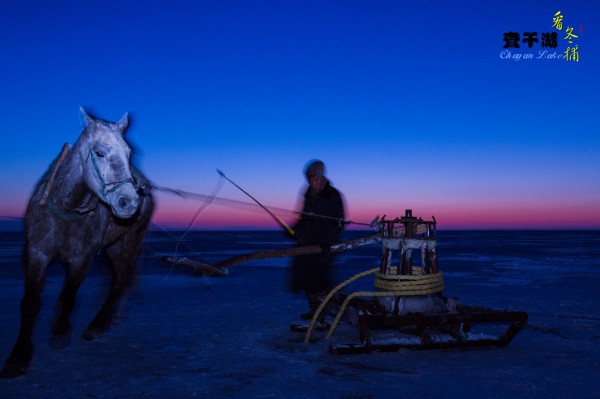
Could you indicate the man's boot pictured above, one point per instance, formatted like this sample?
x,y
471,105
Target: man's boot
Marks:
x,y
314,301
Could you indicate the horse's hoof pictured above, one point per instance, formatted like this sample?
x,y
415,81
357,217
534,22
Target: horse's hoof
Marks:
x,y
12,371
118,318
62,328
90,334
60,341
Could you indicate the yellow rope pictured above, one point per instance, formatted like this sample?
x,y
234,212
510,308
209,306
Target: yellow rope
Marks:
x,y
413,284
329,296
393,284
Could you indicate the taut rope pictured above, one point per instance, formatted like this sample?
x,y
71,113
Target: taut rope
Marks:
x,y
202,208
243,204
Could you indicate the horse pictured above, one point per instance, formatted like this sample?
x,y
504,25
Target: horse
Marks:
x,y
91,198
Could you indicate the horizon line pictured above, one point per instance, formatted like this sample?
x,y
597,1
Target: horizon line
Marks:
x,y
16,224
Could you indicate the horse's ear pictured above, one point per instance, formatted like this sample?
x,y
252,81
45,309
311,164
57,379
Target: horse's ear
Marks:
x,y
85,117
124,122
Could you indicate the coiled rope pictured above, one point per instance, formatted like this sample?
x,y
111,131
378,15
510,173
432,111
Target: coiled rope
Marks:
x,y
416,284
394,285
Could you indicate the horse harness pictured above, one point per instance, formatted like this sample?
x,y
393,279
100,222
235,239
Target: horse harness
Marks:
x,y
88,211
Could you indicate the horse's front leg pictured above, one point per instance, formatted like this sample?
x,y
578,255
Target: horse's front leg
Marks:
x,y
100,321
120,263
122,255
75,274
21,354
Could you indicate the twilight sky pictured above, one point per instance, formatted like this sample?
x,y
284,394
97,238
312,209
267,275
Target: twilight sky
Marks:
x,y
411,105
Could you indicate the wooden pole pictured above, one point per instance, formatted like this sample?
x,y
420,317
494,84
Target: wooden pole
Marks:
x,y
220,267
59,162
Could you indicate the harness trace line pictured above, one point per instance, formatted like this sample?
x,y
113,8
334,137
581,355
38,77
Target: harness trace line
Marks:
x,y
202,208
235,203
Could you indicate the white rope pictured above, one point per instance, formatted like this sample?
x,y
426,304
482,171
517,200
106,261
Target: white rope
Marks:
x,y
203,207
249,205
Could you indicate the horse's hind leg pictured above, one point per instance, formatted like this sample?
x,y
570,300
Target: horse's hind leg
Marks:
x,y
21,354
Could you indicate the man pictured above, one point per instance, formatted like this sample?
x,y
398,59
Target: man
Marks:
x,y
321,223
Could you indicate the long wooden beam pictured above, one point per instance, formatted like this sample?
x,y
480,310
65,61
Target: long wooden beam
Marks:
x,y
309,249
220,268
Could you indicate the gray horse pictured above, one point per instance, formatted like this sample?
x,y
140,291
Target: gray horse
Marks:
x,y
91,198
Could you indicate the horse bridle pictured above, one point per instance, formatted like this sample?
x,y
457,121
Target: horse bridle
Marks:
x,y
113,185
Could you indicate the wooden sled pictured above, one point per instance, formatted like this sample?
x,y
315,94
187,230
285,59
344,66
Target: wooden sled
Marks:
x,y
469,327
407,309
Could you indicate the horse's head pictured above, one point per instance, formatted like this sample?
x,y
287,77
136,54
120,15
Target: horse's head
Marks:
x,y
105,161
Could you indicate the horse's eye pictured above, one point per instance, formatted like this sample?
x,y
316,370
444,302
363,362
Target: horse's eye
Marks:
x,y
99,154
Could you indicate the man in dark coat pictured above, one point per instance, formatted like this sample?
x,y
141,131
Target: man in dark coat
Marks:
x,y
321,223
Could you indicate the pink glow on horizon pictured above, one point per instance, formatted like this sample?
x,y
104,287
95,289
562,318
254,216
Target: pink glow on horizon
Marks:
x,y
556,214
448,217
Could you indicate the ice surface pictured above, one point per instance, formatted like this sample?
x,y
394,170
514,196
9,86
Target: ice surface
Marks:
x,y
182,335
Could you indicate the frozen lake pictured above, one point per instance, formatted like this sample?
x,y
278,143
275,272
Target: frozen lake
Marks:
x,y
182,335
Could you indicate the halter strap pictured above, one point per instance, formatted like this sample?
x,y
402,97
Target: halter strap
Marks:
x,y
115,185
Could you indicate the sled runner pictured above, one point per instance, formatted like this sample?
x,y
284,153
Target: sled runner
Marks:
x,y
434,330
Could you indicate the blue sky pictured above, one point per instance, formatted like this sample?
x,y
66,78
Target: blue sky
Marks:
x,y
409,104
